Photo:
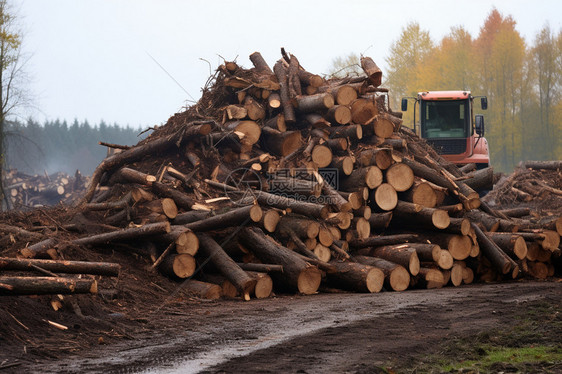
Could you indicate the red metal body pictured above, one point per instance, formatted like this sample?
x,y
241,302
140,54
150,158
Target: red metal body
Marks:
x,y
454,144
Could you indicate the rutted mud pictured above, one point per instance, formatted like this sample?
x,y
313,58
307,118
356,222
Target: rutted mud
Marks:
x,y
314,334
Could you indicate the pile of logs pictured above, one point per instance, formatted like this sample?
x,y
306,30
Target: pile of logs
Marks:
x,y
533,183
28,191
278,179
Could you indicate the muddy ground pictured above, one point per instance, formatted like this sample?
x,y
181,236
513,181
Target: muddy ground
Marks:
x,y
412,331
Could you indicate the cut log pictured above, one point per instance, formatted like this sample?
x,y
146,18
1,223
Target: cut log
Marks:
x,y
260,63
40,249
226,265
203,290
314,103
302,227
191,216
233,217
401,254
270,220
46,285
363,111
321,155
255,111
281,74
421,193
261,268
383,126
281,143
164,206
297,274
373,72
370,177
356,277
295,206
385,197
379,241
400,176
344,164
178,266
481,180
408,212
396,277
380,221
512,244
277,122
430,278
339,114
545,165
61,266
250,129
493,253
184,239
125,234
264,285
353,132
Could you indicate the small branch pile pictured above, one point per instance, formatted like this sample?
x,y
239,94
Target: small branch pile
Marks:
x,y
534,184
279,179
28,191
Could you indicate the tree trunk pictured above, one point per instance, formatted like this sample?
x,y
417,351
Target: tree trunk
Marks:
x,y
356,277
40,249
370,177
372,70
178,266
400,176
46,286
385,197
511,244
233,217
497,257
417,214
281,74
281,143
203,290
297,274
61,266
401,254
396,277
125,234
379,241
226,265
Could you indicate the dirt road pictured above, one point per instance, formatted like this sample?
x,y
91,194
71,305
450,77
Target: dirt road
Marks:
x,y
316,334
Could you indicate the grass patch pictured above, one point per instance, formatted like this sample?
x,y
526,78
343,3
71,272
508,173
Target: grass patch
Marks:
x,y
529,342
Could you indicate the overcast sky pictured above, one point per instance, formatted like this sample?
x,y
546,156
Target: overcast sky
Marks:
x,y
90,59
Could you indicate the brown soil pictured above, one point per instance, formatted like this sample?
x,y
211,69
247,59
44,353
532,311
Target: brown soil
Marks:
x,y
356,333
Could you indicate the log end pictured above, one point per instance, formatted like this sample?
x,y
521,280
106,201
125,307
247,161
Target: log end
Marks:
x,y
309,280
399,279
374,280
440,219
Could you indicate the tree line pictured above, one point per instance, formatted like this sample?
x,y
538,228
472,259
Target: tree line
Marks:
x,y
57,146
522,80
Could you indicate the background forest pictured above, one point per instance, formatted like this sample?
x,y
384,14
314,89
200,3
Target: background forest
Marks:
x,y
522,80
56,146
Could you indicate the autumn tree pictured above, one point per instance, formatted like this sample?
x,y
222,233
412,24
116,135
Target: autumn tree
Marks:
x,y
546,59
501,55
405,62
11,75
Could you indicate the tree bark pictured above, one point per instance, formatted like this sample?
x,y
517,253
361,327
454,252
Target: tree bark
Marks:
x,y
297,274
226,265
61,266
233,217
125,234
356,277
396,277
46,286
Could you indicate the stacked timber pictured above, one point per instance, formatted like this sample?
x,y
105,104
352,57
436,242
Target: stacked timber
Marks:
x,y
25,191
278,179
